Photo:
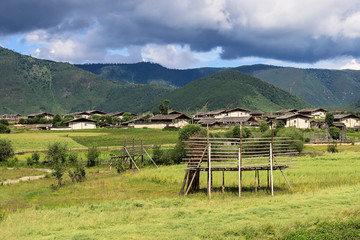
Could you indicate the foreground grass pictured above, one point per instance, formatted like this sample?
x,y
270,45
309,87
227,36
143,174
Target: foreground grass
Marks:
x,y
146,205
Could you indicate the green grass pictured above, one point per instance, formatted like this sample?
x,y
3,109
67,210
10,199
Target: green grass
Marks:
x,y
15,173
146,205
82,139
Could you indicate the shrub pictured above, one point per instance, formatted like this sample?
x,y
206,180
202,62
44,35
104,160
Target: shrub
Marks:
x,y
29,161
334,132
93,156
163,157
35,157
332,148
246,133
4,122
329,119
78,174
263,127
307,140
4,129
6,150
293,134
73,158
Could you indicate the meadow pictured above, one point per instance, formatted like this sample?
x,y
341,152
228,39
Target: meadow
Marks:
x,y
324,204
146,205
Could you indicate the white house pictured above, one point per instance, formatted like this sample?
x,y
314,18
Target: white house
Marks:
x,y
349,120
238,112
317,113
160,121
295,120
81,123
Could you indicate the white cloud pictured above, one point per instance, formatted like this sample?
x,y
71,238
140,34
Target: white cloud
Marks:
x,y
170,56
353,64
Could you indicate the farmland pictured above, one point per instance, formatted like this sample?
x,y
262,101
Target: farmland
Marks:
x,y
146,205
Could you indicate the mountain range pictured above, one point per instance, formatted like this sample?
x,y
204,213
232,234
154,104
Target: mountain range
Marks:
x,y
319,87
30,85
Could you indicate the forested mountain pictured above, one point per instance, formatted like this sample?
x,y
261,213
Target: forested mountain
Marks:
x,y
231,89
148,73
29,85
319,87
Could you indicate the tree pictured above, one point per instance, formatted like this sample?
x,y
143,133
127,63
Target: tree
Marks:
x,y
4,129
93,156
56,155
235,132
4,122
294,134
329,119
56,119
334,132
164,107
263,127
6,150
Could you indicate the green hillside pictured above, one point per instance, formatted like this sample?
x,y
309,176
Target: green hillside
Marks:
x,y
30,85
319,87
232,89
148,73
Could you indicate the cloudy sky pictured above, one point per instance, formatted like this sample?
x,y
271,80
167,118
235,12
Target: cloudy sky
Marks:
x,y
186,33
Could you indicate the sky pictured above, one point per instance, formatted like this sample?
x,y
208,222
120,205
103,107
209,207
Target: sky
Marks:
x,y
185,34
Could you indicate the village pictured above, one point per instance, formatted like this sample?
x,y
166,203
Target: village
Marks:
x,y
312,118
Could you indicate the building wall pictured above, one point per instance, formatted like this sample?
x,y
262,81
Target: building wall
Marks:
x,y
351,122
82,125
318,114
239,114
177,124
298,123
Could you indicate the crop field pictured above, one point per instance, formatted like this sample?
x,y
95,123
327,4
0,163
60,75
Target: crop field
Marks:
x,y
23,140
146,205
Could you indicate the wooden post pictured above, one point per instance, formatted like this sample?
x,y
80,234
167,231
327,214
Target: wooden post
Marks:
x,y
240,162
271,170
223,182
209,168
256,172
258,175
142,152
268,179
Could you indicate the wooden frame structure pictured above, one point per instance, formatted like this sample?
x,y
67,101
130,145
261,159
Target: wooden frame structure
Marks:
x,y
236,154
133,151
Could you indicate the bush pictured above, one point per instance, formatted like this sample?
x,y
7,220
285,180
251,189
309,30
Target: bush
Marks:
x,y
35,157
6,150
329,119
73,158
163,157
93,156
332,148
4,129
263,127
293,134
307,140
335,133
235,132
78,175
4,122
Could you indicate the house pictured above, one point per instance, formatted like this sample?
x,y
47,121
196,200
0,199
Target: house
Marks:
x,y
11,117
285,112
295,120
81,114
237,112
81,123
236,121
44,115
160,121
256,113
316,113
349,120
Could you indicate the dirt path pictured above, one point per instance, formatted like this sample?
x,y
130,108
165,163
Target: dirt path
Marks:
x,y
26,178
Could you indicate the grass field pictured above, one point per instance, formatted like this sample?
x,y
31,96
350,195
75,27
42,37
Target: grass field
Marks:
x,y
146,205
23,140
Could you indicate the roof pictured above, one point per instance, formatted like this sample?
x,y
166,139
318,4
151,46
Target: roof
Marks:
x,y
311,110
39,114
215,112
96,112
80,120
342,116
256,112
208,120
237,109
296,115
236,119
287,110
159,117
174,112
80,113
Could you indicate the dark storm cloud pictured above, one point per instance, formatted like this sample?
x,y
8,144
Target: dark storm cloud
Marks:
x,y
273,29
